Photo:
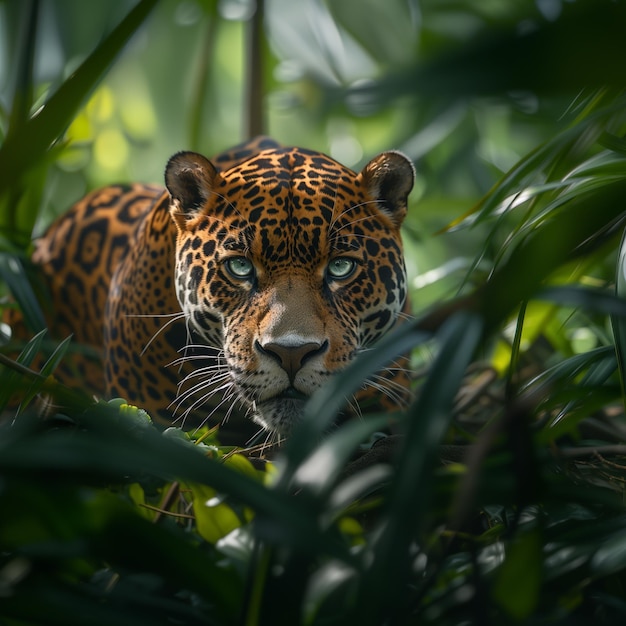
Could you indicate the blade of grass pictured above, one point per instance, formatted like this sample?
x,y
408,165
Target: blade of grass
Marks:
x,y
49,366
11,377
13,272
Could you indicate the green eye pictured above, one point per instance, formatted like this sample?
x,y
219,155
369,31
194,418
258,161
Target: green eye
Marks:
x,y
341,267
240,267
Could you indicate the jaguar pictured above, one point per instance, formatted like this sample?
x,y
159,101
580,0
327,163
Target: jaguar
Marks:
x,y
238,290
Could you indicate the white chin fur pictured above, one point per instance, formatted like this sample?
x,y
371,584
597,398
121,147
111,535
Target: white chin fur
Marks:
x,y
279,414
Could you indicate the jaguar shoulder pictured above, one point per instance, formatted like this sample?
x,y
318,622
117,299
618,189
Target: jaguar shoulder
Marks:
x,y
241,288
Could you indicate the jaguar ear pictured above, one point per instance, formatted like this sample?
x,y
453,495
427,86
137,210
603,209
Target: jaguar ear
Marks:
x,y
389,178
190,179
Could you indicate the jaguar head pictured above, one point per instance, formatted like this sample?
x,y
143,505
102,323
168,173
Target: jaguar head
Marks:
x,y
290,264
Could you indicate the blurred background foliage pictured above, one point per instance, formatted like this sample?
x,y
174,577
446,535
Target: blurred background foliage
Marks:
x,y
348,77
515,115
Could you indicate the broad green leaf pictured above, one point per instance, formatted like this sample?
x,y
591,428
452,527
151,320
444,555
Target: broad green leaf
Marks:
x,y
610,556
517,582
565,237
110,448
347,493
567,370
370,23
214,517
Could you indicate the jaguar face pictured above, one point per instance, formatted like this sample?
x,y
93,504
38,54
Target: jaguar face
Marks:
x,y
290,264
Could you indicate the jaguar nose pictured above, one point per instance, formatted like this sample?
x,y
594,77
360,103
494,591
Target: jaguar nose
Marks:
x,y
292,357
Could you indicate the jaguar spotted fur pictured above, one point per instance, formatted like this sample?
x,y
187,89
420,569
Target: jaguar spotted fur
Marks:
x,y
240,288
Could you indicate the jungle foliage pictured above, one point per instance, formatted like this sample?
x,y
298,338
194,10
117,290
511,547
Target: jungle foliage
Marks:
x,y
502,498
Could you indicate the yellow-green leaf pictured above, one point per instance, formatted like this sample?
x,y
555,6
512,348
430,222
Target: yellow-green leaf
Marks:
x,y
214,518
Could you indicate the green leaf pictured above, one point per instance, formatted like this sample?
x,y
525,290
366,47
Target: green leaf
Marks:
x,y
517,582
566,236
214,517
370,23
47,369
14,274
318,472
595,300
610,556
618,320
25,147
496,61
410,493
13,379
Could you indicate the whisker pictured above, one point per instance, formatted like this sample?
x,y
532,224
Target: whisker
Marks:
x,y
354,236
391,384
228,396
397,367
331,228
154,315
201,400
203,384
201,346
354,406
187,413
387,391
217,358
271,439
405,316
214,372
214,382
347,209
352,222
190,358
334,218
173,318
